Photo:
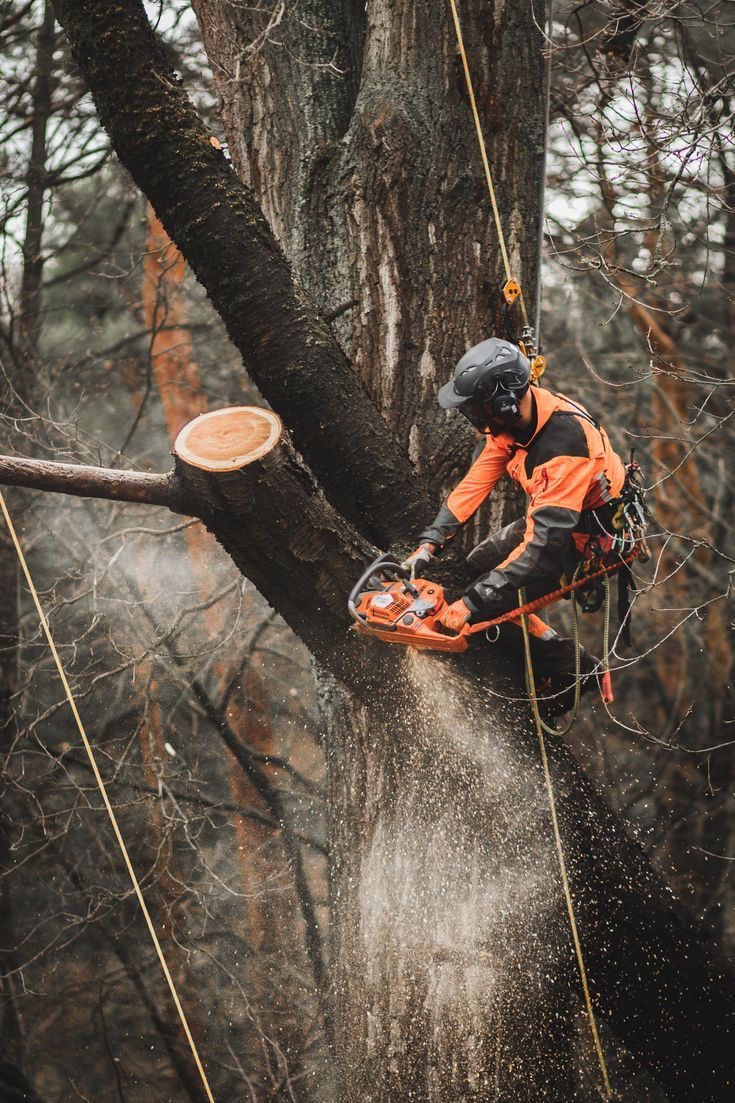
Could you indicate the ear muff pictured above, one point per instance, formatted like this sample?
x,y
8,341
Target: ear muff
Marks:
x,y
506,405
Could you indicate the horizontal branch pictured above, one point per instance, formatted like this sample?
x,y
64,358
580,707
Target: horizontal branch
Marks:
x,y
91,482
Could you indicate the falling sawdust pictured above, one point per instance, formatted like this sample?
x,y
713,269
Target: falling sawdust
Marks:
x,y
459,896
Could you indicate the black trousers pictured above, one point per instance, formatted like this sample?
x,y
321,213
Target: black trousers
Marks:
x,y
554,656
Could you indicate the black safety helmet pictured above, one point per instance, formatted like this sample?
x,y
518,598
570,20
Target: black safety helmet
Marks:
x,y
489,381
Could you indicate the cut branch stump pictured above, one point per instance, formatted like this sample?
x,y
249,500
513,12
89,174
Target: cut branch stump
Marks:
x,y
254,492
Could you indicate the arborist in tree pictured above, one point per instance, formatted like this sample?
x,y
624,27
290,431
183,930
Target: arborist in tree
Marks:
x,y
563,460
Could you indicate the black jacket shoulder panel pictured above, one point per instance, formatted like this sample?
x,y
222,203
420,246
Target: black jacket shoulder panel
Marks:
x,y
561,436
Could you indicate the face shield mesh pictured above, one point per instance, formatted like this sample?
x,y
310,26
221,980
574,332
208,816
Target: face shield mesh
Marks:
x,y
479,410
477,413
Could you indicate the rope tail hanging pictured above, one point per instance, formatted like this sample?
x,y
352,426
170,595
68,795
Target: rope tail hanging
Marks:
x,y
512,291
106,801
562,860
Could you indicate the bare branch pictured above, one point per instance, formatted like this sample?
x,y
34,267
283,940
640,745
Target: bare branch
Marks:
x,y
84,481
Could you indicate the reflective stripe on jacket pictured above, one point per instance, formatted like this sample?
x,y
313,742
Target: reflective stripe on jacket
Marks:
x,y
567,466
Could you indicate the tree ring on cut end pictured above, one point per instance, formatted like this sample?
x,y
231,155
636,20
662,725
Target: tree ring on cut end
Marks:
x,y
228,439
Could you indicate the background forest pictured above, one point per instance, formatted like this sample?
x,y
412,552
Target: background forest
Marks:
x,y
200,700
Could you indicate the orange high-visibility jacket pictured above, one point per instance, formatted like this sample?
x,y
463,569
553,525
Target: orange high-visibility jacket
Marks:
x,y
567,466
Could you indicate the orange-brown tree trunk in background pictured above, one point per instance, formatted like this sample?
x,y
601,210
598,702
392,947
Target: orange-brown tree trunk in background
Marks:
x,y
680,501
681,509
179,385
270,918
681,505
174,366
677,497
672,676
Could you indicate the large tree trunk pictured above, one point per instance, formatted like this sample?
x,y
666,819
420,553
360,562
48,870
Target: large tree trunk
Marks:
x,y
286,345
369,173
453,972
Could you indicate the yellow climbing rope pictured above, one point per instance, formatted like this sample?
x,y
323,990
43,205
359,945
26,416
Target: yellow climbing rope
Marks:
x,y
541,727
512,290
106,800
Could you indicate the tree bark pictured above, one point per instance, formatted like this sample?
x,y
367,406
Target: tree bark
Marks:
x,y
447,902
289,350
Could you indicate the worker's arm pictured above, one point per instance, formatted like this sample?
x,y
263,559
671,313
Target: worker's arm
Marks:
x,y
469,494
557,494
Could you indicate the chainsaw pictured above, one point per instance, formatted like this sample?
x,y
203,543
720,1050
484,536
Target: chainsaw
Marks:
x,y
386,602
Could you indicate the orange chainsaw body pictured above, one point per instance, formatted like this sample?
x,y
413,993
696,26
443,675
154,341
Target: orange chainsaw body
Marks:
x,y
386,603
407,613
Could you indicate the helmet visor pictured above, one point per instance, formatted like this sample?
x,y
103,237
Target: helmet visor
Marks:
x,y
477,413
448,398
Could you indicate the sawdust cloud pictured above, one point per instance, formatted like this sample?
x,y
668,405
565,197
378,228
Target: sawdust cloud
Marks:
x,y
459,896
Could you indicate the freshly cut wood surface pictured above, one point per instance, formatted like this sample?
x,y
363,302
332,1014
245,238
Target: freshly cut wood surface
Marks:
x,y
225,440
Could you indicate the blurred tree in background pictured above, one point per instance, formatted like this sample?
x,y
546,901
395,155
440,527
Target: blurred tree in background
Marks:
x,y
639,314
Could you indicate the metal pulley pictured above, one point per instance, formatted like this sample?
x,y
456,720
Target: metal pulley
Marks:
x,y
528,346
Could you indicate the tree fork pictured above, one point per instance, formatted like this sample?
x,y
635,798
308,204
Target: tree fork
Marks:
x,y
215,221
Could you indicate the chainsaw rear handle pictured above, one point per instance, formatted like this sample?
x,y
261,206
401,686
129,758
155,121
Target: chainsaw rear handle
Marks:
x,y
383,565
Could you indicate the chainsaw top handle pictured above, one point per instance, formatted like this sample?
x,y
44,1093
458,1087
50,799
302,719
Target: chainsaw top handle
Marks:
x,y
385,566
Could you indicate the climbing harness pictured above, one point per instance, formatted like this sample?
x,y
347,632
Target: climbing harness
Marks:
x,y
573,588
107,804
617,532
